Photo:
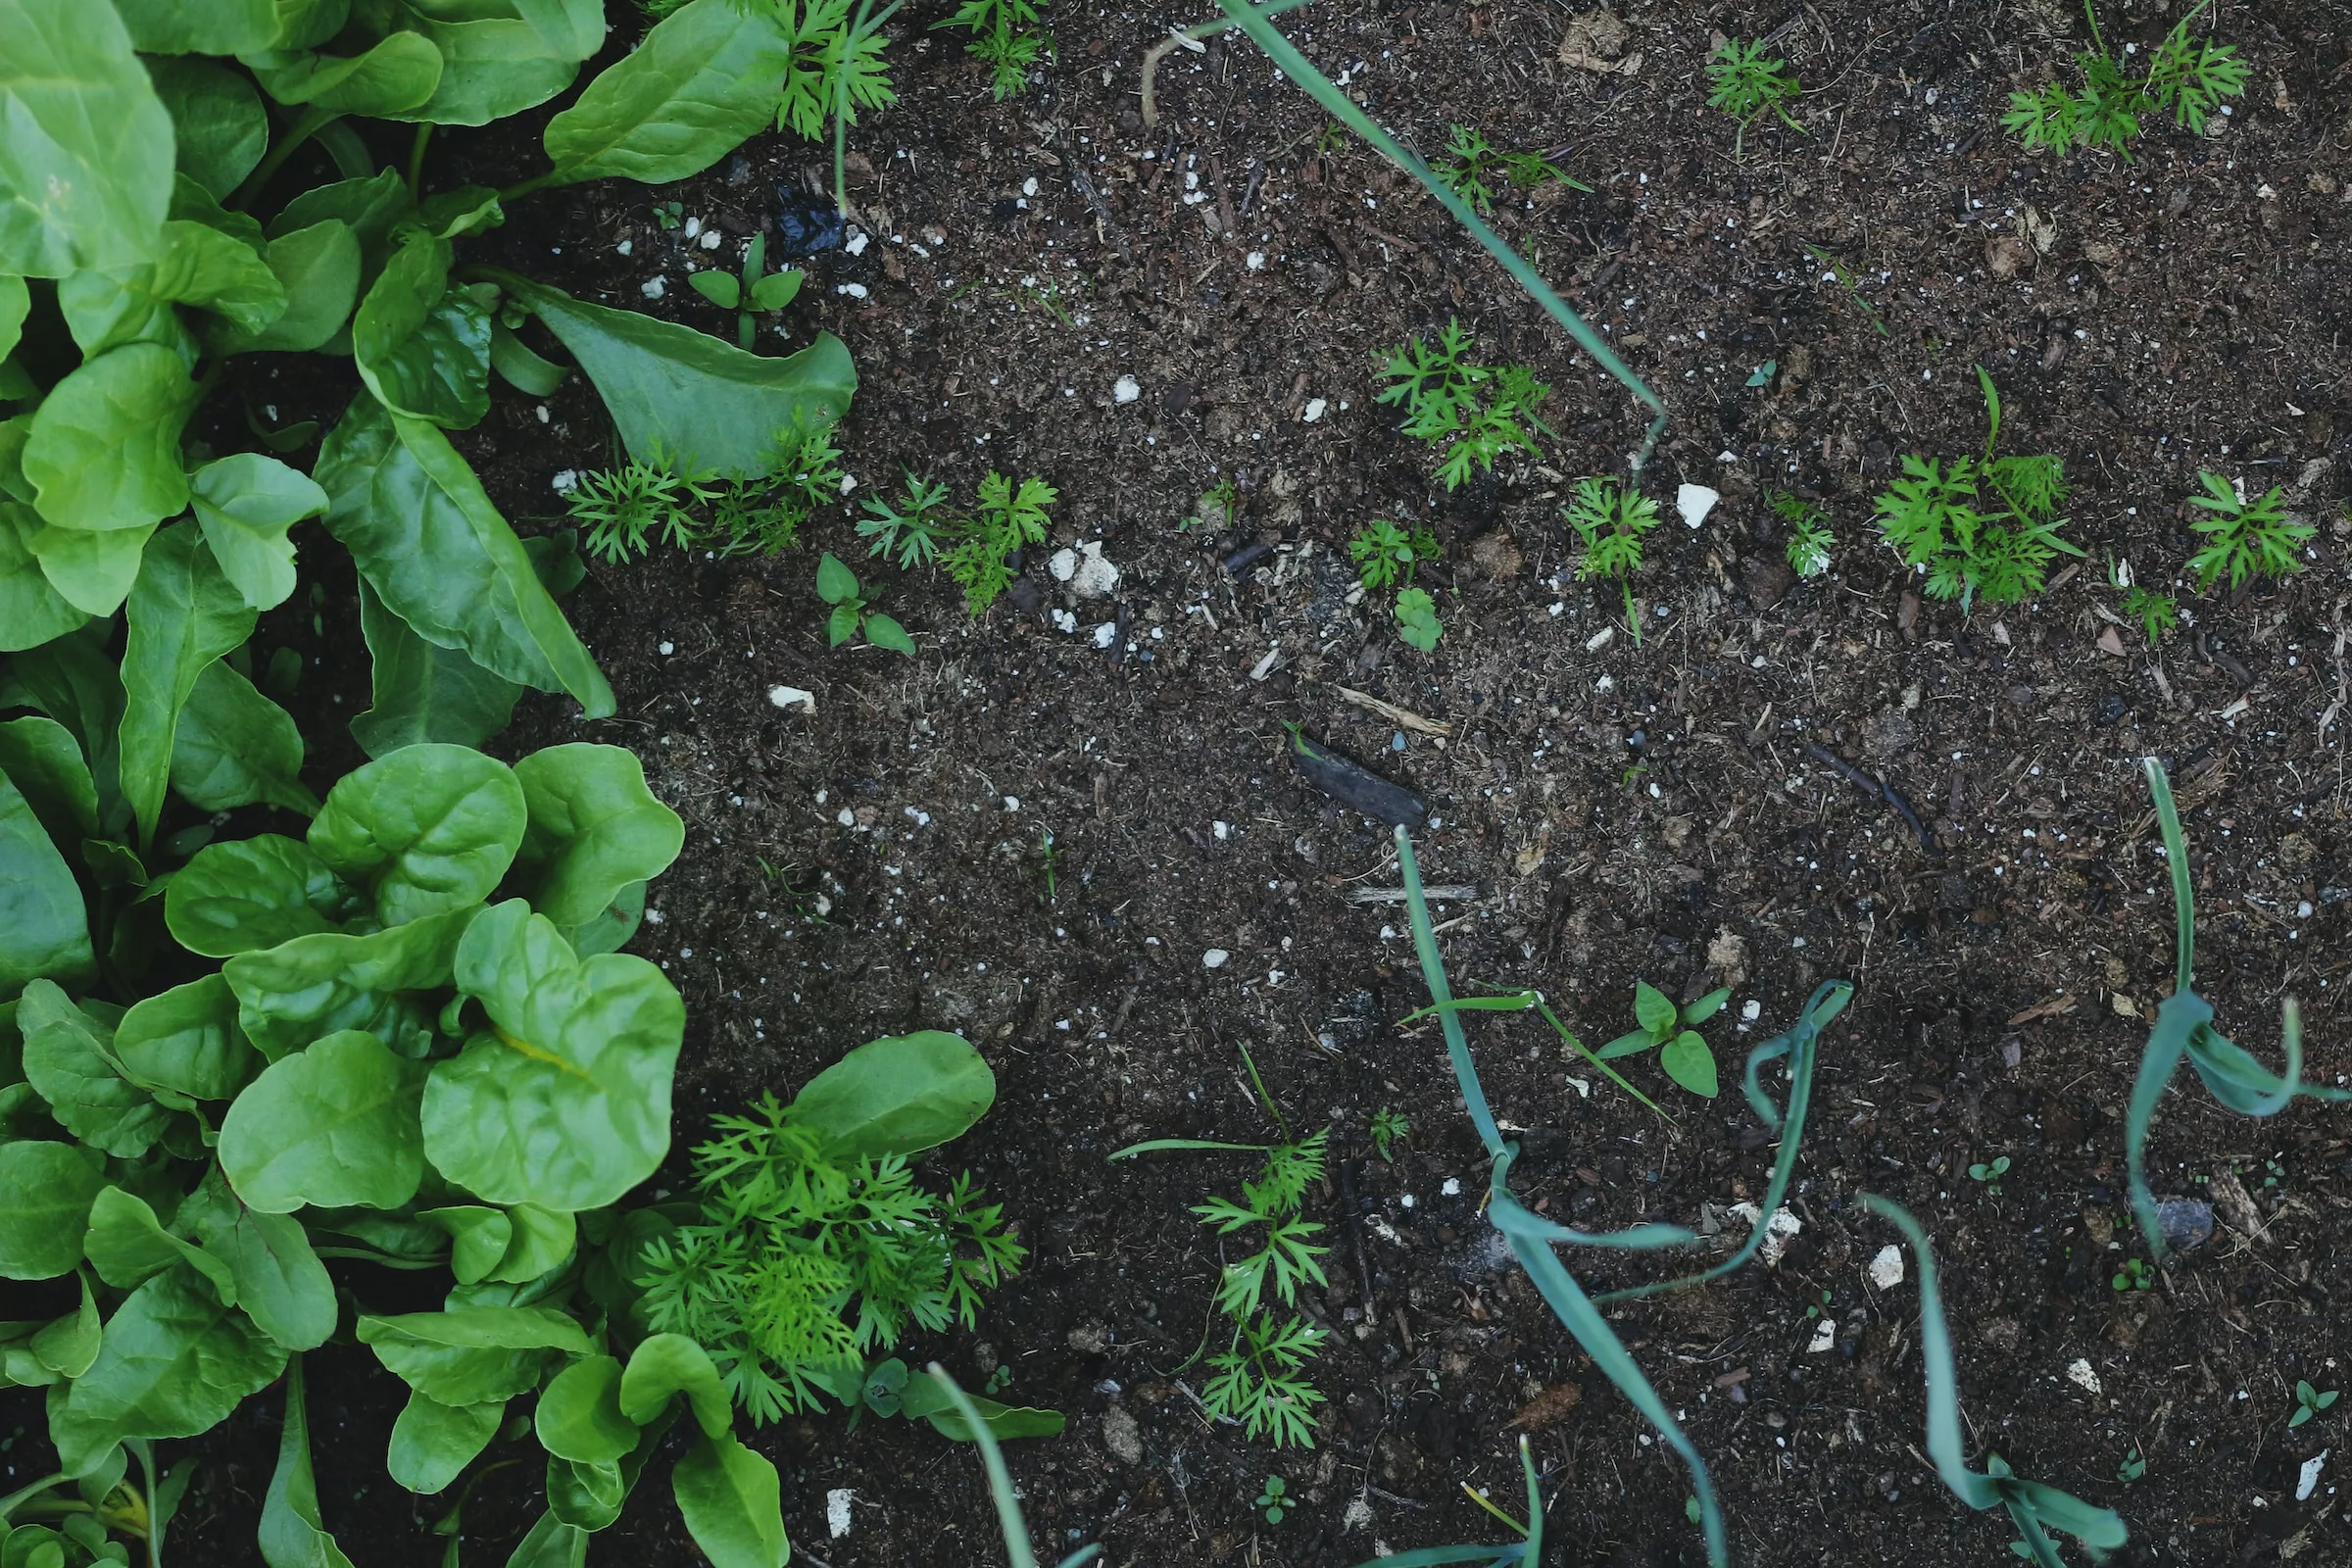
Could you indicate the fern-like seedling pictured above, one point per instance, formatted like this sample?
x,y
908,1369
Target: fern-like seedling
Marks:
x,y
2244,539
626,511
1475,168
1612,520
1007,520
907,527
1745,84
1477,413
1809,536
2187,77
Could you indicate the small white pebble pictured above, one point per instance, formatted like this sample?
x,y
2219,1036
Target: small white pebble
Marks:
x,y
542,412
1751,1009
1887,1268
1012,803
1256,261
855,291
1406,1200
795,697
668,649
837,1511
711,239
694,226
858,243
1106,633
651,288
1314,410
1215,957
847,817
567,481
2081,1376
1825,1338
1029,186
625,246
1452,1186
1126,390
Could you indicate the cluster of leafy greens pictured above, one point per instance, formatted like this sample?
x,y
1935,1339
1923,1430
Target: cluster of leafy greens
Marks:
x,y
1981,528
1008,520
1386,556
1473,167
1809,535
1007,37
1611,519
660,500
1477,411
811,1250
1746,84
2188,77
2245,538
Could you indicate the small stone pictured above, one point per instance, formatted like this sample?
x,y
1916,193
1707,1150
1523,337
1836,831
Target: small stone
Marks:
x,y
1215,957
2307,1481
1314,410
2081,1376
855,291
1089,1339
652,288
2183,1222
793,697
1778,1234
1825,1338
1122,1437
1887,1268
1106,633
1126,390
837,1511
1695,502
2001,1332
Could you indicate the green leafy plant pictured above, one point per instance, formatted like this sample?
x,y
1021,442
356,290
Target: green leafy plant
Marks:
x,y
1612,520
1273,1500
1048,861
905,528
1844,279
2184,1029
1984,528
669,215
1219,505
1991,1174
1472,167
2309,1401
1007,521
2157,612
1745,84
1475,412
624,512
837,585
1007,37
1671,1031
2187,76
1386,556
663,500
2134,1465
1388,1129
2244,539
756,290
1809,536
2132,1274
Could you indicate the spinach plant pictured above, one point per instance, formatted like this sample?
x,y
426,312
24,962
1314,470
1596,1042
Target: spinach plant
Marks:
x,y
1671,1031
837,585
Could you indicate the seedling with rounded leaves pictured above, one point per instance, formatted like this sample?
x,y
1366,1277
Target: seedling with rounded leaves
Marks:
x,y
837,585
1991,1174
1670,1030
2309,1401
1611,519
2244,539
1417,619
2134,1274
756,291
1271,1498
2134,1465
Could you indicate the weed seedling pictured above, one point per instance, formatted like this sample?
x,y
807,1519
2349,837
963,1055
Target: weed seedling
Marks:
x,y
1216,508
1008,520
1271,1498
1746,86
1991,1175
1818,1309
1007,37
2157,612
1386,556
1984,528
1049,859
1473,167
2134,1275
905,528
2188,77
626,511
2244,540
1388,1129
2309,1401
2134,1465
669,215
1839,274
1809,537
998,1381
755,291
1670,1030
1476,411
1612,520
837,585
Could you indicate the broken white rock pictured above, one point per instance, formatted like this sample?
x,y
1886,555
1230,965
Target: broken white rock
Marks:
x,y
1887,1269
1695,502
837,1511
1215,957
793,697
651,288
2081,1376
1085,569
2309,1481
567,481
855,291
1825,1338
1314,410
1126,390
858,243
1106,633
1357,1516
1781,1230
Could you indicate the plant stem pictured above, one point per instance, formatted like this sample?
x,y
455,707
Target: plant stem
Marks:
x,y
425,135
535,182
308,124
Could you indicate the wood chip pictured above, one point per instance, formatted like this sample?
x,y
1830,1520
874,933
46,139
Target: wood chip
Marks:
x,y
1401,717
2056,1006
1548,1409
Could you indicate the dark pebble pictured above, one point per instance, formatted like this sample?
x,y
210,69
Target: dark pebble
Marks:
x,y
2183,1222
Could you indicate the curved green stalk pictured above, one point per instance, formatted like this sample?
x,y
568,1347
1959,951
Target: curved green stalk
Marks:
x,y
999,1482
310,123
1251,19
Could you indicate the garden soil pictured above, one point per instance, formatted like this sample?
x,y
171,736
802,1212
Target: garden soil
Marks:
x,y
1068,829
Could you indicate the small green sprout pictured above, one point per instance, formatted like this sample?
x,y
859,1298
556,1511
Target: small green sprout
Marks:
x,y
1272,1499
2244,539
2134,1275
1009,518
1006,35
905,528
999,1380
1669,1029
1471,167
756,290
2134,1465
2309,1401
1838,273
1444,405
1809,536
1747,85
1417,619
1991,1175
1388,1129
669,215
625,510
1611,520
1386,556
1216,508
1049,863
837,585
1820,1307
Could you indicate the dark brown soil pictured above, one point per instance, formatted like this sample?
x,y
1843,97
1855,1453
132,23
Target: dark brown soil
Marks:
x,y
1628,812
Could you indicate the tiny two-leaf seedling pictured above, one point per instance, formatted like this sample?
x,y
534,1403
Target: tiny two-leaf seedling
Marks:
x,y
2132,1275
1671,1031
1991,1174
2309,1401
837,585
758,290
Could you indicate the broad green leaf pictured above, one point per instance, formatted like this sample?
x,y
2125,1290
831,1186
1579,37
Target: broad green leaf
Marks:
x,y
551,1544
186,1041
926,1398
429,542
704,79
281,1283
423,347
593,829
885,632
399,72
524,371
184,612
475,1355
45,1193
333,1125
586,1496
478,1236
836,583
1689,1062
467,209
192,203
777,290
41,758
571,30
310,987
66,1345
112,864
580,1416
128,1246
317,269
235,746
200,26
679,395
245,504
432,1442
732,1503
248,893
85,162
104,451
665,1365
613,927
77,680
490,69
31,610
91,569
564,1103
220,129
719,288
1652,1009
421,692
899,1095
44,928
371,206
199,267
1706,1006
292,1535
425,830
172,1363
67,1061
543,1239
16,303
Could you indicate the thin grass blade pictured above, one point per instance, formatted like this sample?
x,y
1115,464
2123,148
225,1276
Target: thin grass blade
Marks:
x,y
1151,1146
2176,852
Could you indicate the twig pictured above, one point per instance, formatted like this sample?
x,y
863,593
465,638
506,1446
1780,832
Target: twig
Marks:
x,y
1874,786
1355,1234
1110,226
1183,38
1404,717
1457,892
